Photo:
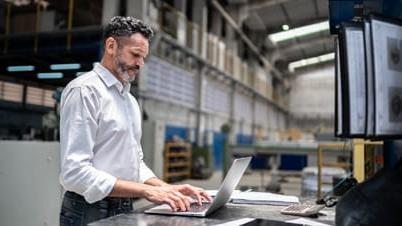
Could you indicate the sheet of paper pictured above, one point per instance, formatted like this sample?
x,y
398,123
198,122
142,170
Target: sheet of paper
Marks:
x,y
265,197
214,192
355,80
369,80
387,60
338,92
305,221
236,222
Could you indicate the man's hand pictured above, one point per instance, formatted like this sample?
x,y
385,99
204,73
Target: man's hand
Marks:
x,y
178,197
195,192
167,195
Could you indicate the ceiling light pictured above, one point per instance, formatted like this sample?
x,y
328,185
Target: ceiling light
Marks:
x,y
65,66
285,27
298,32
50,75
311,61
20,68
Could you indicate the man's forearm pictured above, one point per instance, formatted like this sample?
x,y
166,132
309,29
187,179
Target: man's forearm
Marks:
x,y
127,189
124,188
154,181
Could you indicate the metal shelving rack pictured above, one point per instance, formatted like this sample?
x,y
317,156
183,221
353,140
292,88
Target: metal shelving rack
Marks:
x,y
177,161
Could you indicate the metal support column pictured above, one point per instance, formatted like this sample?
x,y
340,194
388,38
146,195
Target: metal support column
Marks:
x,y
199,107
37,25
358,159
70,23
7,26
253,123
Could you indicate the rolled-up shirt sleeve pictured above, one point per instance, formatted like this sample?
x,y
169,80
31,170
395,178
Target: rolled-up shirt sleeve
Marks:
x,y
145,172
78,129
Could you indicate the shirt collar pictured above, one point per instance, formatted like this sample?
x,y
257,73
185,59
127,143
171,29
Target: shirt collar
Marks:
x,y
109,79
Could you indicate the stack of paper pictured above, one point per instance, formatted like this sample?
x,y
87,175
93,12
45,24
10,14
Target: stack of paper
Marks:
x,y
264,198
213,193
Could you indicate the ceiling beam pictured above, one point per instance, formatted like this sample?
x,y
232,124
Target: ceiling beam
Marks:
x,y
313,67
306,44
319,53
295,23
256,5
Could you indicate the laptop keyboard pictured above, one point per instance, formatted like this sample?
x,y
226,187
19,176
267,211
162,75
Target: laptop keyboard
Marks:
x,y
194,207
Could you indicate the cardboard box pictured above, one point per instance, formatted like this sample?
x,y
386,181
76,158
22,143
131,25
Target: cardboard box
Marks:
x,y
229,62
212,50
174,23
245,78
221,55
154,14
203,44
237,67
269,91
193,37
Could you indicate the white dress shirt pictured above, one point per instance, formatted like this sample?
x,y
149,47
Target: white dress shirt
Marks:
x,y
100,133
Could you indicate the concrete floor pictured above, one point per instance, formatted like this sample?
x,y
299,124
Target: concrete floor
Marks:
x,y
254,179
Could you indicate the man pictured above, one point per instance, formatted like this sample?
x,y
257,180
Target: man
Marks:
x,y
100,125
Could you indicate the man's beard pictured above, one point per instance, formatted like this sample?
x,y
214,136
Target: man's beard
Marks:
x,y
122,70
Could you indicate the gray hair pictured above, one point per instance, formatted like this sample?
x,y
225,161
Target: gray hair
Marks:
x,y
120,26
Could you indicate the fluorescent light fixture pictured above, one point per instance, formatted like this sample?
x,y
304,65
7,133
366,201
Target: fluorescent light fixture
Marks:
x,y
65,66
285,27
50,75
311,61
20,68
298,32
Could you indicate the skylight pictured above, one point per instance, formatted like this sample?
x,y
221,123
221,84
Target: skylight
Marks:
x,y
311,61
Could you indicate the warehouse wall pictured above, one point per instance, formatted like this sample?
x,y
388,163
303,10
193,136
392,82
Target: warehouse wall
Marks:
x,y
169,113
170,96
312,98
30,189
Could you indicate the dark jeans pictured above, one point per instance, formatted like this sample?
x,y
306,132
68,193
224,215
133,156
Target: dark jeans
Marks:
x,y
75,211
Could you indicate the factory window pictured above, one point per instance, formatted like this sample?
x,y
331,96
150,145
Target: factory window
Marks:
x,y
34,96
11,92
48,100
38,96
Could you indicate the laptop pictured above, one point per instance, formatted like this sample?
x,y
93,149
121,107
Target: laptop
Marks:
x,y
225,191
